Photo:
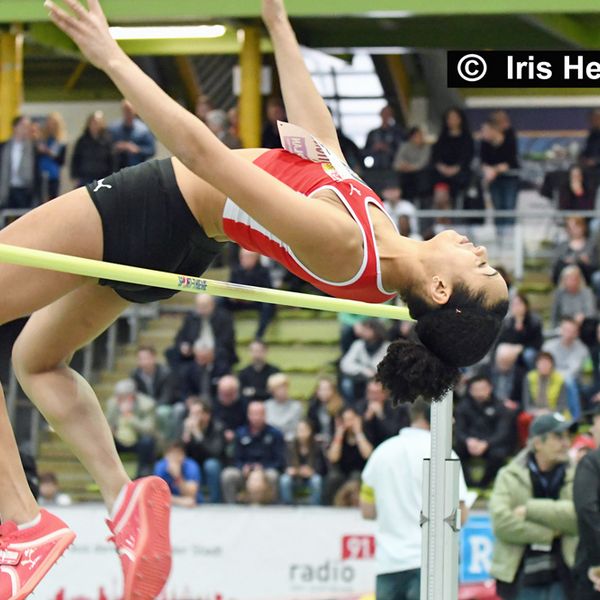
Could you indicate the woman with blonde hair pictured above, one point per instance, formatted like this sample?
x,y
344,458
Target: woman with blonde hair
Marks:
x,y
325,403
52,149
573,298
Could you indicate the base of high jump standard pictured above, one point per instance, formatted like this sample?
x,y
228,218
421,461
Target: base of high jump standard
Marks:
x,y
440,516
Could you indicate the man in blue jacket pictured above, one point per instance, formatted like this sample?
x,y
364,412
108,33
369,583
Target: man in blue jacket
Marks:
x,y
257,446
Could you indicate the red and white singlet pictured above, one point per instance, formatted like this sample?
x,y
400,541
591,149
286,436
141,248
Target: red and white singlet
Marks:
x,y
297,167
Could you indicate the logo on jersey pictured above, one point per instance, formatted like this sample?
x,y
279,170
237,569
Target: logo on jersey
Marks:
x,y
100,184
331,171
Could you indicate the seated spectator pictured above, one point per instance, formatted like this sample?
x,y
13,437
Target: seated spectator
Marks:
x,y
577,193
282,412
204,439
383,142
578,250
396,207
590,155
210,323
405,229
323,406
506,376
305,467
230,409
132,419
483,430
182,474
573,298
380,420
51,149
251,272
522,328
218,122
533,517
359,364
133,142
570,356
581,446
20,177
499,165
274,111
348,453
441,201
349,329
412,164
254,377
453,153
50,494
257,446
199,377
544,390
92,157
258,491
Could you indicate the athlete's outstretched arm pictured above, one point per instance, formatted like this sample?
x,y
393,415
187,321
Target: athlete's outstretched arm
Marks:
x,y
303,103
273,204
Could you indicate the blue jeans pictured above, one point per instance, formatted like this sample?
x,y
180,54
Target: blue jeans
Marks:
x,y
288,485
403,585
211,468
553,591
504,190
573,397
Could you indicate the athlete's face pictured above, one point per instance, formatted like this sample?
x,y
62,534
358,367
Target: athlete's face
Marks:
x,y
461,260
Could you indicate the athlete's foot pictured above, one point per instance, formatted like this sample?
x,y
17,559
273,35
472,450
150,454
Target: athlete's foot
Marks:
x,y
141,534
26,555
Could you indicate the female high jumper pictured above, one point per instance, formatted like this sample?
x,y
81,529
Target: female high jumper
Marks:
x,y
315,217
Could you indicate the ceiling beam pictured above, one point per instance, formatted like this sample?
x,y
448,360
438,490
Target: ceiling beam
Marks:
x,y
568,29
134,11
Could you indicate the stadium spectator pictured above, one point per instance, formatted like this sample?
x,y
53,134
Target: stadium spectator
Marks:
x,y
349,329
323,406
578,249
501,119
572,298
133,142
257,446
52,149
204,439
210,323
590,155
507,375
533,517
453,153
499,165
233,115
92,157
581,446
396,207
258,491
251,272
282,412
586,496
200,377
352,153
391,494
151,377
522,328
203,106
359,364
254,377
229,409
305,467
383,142
483,431
577,193
274,111
20,177
348,453
405,229
380,420
132,420
50,494
412,164
218,123
545,390
182,474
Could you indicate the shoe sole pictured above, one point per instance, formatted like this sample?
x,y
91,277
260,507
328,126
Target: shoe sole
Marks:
x,y
58,550
149,573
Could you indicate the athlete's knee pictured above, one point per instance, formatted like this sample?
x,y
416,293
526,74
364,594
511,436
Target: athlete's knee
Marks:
x,y
31,358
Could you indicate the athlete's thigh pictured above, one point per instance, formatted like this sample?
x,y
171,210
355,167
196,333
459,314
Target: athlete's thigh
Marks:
x,y
55,332
69,224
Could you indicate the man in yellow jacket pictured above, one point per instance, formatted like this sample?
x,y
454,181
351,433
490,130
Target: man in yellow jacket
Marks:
x,y
534,518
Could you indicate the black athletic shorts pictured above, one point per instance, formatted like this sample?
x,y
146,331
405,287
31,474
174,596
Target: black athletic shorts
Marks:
x,y
147,223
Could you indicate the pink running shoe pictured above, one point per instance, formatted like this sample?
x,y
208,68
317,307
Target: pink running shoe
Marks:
x,y
27,555
141,534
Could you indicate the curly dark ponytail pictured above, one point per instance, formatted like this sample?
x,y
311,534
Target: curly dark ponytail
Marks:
x,y
458,334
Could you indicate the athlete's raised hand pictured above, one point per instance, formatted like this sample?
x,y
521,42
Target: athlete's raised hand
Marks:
x,y
87,27
273,12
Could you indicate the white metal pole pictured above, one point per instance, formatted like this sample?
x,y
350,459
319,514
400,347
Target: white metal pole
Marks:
x,y
440,516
